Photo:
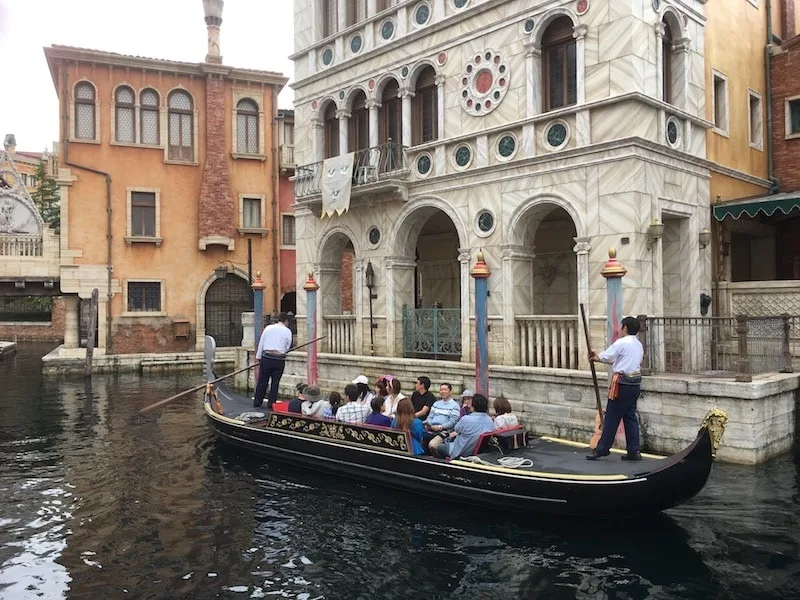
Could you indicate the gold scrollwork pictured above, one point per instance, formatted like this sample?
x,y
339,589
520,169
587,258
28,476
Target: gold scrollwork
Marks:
x,y
389,440
715,421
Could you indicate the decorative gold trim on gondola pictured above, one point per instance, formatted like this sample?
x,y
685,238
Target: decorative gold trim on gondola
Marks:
x,y
715,421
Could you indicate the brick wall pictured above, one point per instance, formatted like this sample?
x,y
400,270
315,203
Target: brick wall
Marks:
x,y
216,209
39,332
347,282
784,68
148,335
787,19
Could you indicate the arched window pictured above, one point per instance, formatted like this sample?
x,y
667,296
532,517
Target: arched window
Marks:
x,y
331,131
149,126
358,134
356,11
560,65
85,111
330,17
391,131
181,126
666,63
247,126
424,107
124,115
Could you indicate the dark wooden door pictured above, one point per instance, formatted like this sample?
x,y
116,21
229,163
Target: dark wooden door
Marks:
x,y
226,300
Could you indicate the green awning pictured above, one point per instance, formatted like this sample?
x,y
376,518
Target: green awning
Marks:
x,y
763,205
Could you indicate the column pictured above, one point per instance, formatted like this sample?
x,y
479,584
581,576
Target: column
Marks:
x,y
258,307
581,249
374,131
533,76
660,30
463,260
480,272
311,288
317,139
613,271
71,322
372,7
399,291
406,94
517,297
344,120
579,33
680,74
439,80
358,306
342,16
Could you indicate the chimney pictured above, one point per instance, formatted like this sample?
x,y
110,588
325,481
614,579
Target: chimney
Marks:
x,y
213,10
10,143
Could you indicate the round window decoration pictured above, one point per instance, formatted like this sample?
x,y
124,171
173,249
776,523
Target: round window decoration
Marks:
x,y
485,222
423,164
422,13
460,3
387,29
506,146
656,5
484,83
327,56
528,26
404,72
557,135
355,44
374,236
463,156
673,132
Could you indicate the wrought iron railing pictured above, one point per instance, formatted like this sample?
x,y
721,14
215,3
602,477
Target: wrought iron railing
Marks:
x,y
431,332
386,161
341,332
548,341
20,245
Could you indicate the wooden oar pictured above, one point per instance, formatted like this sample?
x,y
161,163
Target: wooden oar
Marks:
x,y
165,401
598,418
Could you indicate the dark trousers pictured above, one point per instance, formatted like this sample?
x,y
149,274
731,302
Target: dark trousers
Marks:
x,y
622,409
270,371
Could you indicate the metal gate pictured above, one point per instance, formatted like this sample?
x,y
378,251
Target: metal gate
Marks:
x,y
432,333
226,300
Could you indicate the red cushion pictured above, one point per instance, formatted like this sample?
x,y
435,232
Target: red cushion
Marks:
x,y
281,407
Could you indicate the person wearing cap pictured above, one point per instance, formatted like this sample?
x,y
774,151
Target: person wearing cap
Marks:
x,y
275,342
365,395
466,402
295,404
314,404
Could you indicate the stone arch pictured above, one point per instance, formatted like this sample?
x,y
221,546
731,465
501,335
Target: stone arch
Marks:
x,y
517,229
181,88
335,240
347,103
382,82
322,106
127,85
418,68
671,16
551,15
414,215
200,301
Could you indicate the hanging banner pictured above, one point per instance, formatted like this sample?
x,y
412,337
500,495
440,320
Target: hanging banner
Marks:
x,y
337,179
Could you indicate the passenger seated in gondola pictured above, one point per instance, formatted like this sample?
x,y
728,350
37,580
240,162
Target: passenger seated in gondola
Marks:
x,y
405,421
467,432
375,417
295,404
395,395
503,415
352,411
334,402
365,395
466,402
444,413
314,404
422,399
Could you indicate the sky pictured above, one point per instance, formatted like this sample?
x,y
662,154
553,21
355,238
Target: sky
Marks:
x,y
256,34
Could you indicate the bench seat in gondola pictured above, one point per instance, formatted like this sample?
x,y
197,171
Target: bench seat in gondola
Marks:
x,y
505,439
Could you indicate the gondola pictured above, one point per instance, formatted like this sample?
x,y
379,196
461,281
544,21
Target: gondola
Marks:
x,y
543,475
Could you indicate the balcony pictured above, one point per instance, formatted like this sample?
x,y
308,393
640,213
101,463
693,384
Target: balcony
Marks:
x,y
376,170
286,157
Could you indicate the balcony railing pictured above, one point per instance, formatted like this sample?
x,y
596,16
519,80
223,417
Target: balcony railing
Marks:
x,y
371,165
287,156
548,341
20,245
341,332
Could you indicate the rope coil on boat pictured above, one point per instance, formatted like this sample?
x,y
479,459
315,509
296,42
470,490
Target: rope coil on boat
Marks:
x,y
510,462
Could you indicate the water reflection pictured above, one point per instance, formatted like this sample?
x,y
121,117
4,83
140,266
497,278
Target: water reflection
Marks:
x,y
97,500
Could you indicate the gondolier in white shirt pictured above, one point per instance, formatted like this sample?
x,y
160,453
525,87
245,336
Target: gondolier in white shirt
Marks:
x,y
276,339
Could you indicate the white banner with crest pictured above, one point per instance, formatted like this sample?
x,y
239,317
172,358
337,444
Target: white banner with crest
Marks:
x,y
337,179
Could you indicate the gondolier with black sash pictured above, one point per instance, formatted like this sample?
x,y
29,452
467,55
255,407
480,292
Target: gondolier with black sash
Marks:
x,y
275,342
625,355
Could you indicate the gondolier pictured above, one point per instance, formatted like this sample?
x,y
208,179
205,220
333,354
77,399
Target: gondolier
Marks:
x,y
275,342
625,355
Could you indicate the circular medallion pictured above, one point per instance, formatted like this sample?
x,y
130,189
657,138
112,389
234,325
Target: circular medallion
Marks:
x,y
673,132
341,95
485,221
314,105
355,44
422,13
327,56
582,7
656,5
484,82
442,58
404,71
460,3
387,29
374,236
463,155
556,135
528,27
423,164
371,84
506,145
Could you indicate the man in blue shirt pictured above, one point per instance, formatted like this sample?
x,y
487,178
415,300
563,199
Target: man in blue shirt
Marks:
x,y
467,432
444,413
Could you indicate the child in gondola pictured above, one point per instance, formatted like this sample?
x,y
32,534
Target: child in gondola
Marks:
x,y
334,402
375,417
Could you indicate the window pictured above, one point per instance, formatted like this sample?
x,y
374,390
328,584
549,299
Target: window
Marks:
x,y
381,5
247,127
149,118
144,296
755,119
793,117
720,101
358,133
666,60
251,213
424,108
85,111
559,52
391,127
331,131
330,17
143,214
356,11
181,125
288,233
124,116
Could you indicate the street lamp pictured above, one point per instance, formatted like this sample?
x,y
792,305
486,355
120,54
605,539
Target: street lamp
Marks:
x,y
369,280
221,270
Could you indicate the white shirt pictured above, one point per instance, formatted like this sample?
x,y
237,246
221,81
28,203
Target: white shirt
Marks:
x,y
390,404
506,420
275,338
626,355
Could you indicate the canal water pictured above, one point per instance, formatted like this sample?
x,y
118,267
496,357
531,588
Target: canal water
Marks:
x,y
97,502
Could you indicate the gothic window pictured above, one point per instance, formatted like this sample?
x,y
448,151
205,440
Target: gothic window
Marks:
x,y
247,126
666,63
181,126
330,17
424,106
331,131
124,115
85,111
149,126
560,65
358,134
391,131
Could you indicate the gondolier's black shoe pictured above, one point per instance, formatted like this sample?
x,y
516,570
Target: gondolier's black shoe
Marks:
x,y
594,455
632,457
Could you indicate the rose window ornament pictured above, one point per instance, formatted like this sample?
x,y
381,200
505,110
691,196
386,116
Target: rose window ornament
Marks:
x,y
483,83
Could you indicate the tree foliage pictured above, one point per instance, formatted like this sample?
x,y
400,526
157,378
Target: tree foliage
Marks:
x,y
46,198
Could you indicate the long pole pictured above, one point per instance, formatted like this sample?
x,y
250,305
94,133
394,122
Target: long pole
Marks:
x,y
371,324
311,287
481,273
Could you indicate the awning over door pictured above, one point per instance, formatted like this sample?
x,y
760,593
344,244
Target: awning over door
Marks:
x,y
762,205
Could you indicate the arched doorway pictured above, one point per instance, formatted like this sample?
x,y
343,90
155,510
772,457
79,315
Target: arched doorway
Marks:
x,y
336,277
226,300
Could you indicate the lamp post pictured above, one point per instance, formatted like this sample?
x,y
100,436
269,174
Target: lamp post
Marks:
x,y
221,270
369,279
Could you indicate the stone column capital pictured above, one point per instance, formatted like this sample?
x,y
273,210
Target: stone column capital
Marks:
x,y
579,32
582,245
440,79
405,92
342,114
400,262
532,49
464,255
317,123
660,29
682,45
372,104
517,252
